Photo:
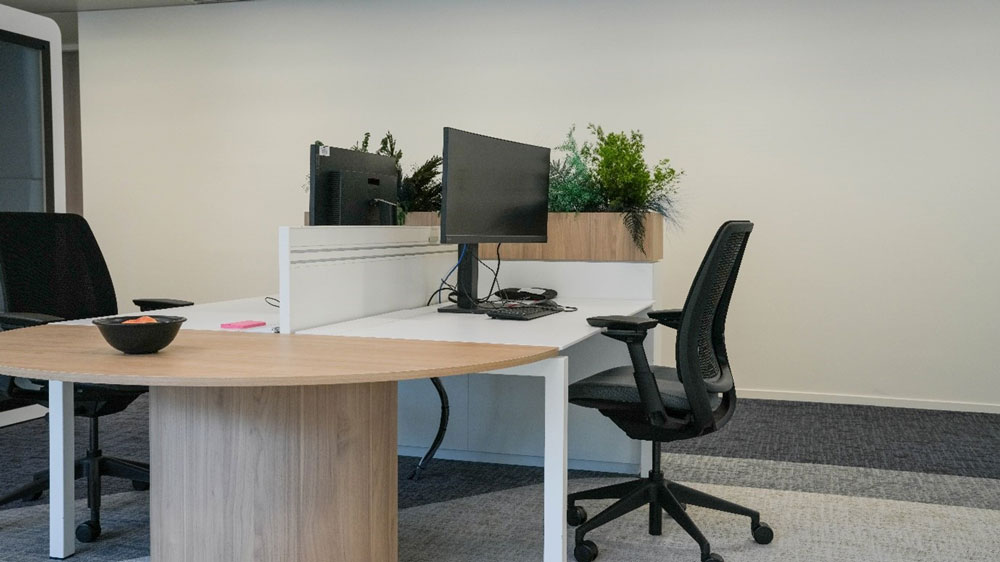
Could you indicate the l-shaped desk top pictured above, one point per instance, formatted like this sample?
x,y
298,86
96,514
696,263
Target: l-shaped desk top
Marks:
x,y
394,346
560,330
402,345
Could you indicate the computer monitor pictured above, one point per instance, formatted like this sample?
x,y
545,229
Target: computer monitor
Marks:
x,y
348,187
492,190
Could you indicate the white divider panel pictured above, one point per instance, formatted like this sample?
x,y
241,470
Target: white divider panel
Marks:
x,y
331,274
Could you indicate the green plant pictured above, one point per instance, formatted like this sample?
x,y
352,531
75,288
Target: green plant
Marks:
x,y
421,190
571,185
362,146
611,175
386,147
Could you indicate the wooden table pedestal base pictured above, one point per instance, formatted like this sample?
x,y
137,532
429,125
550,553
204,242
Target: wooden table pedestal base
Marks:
x,y
293,473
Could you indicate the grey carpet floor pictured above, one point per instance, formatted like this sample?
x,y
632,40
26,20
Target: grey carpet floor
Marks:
x,y
808,526
905,439
876,438
839,480
506,526
836,482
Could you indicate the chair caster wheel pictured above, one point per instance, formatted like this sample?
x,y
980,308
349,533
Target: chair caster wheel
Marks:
x,y
576,515
713,557
762,533
140,485
585,551
88,531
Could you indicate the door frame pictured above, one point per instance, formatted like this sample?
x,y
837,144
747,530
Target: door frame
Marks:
x,y
42,33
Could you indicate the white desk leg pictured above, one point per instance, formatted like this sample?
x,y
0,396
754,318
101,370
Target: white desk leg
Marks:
x,y
556,446
62,541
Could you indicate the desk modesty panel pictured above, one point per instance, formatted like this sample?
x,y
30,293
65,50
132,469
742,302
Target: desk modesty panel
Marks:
x,y
202,358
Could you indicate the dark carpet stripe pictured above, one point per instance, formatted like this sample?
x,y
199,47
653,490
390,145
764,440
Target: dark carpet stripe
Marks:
x,y
937,442
946,443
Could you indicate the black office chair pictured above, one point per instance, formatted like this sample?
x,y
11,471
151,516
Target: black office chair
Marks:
x,y
52,269
662,404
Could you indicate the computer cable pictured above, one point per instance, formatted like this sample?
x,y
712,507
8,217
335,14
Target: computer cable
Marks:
x,y
437,293
444,280
496,276
455,291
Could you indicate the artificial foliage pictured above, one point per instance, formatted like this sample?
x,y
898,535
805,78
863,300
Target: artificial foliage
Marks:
x,y
610,174
571,185
362,145
421,190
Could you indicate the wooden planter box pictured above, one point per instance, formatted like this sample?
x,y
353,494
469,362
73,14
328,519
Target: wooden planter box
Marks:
x,y
575,237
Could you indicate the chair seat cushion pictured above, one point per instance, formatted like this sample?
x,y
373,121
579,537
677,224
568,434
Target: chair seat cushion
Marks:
x,y
617,385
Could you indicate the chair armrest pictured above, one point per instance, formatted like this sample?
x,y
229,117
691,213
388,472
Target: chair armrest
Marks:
x,y
159,304
669,318
628,323
15,320
632,330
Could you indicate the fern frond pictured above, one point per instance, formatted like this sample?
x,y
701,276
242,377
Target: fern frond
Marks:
x,y
635,223
421,190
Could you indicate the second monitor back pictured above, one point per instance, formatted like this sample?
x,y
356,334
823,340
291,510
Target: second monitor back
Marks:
x,y
352,188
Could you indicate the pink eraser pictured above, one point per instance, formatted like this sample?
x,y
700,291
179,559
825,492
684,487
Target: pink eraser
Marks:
x,y
242,325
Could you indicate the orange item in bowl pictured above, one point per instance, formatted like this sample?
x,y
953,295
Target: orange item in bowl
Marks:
x,y
141,320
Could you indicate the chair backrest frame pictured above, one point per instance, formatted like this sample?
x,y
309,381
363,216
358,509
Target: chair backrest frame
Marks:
x,y
50,263
702,360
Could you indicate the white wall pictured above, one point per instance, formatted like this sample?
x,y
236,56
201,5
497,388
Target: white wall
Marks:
x,y
860,137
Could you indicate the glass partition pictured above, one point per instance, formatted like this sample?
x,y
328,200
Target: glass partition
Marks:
x,y
25,125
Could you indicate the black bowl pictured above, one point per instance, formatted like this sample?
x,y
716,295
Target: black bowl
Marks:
x,y
139,338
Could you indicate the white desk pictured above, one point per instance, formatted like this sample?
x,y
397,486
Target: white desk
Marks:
x,y
557,330
561,331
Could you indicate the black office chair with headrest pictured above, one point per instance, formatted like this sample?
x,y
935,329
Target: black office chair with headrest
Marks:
x,y
662,404
51,269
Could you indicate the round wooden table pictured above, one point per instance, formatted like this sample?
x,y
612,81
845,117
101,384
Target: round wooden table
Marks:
x,y
264,447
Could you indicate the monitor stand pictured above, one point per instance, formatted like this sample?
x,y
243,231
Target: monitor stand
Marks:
x,y
468,282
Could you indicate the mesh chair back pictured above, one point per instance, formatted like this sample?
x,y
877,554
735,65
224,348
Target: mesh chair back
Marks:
x,y
51,264
701,346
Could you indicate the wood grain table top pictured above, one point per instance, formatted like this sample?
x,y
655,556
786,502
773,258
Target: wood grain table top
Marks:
x,y
228,359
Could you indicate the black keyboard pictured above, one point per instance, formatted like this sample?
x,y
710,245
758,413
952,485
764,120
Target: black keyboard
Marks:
x,y
520,312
